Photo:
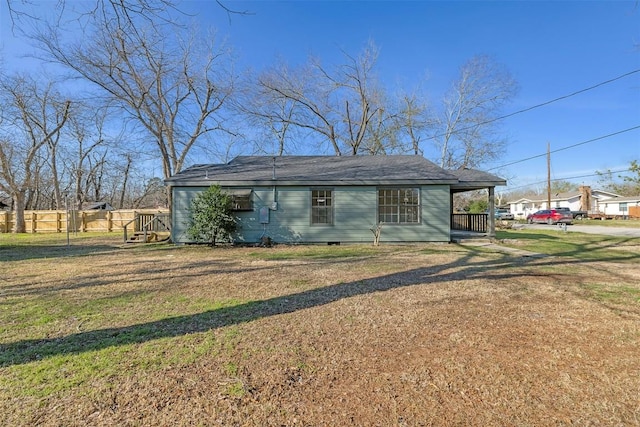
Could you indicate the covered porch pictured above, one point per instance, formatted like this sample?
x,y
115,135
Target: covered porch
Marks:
x,y
477,224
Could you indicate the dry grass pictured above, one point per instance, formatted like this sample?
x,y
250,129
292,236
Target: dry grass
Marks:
x,y
316,336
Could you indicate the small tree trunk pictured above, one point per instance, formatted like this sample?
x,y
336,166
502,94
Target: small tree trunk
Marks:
x,y
376,234
19,225
125,181
57,194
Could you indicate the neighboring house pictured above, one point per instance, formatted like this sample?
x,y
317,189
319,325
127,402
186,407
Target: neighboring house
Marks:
x,y
572,200
621,206
323,199
5,203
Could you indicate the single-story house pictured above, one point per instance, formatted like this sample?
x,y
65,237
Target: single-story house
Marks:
x,y
573,200
621,206
330,199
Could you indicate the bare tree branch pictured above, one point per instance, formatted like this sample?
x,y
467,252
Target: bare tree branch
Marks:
x,y
33,118
337,105
156,78
466,135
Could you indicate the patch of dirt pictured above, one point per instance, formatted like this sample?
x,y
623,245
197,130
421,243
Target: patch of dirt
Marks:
x,y
401,336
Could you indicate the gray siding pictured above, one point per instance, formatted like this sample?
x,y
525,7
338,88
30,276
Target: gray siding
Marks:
x,y
354,214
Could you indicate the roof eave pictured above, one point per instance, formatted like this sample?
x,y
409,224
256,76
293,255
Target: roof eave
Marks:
x,y
290,183
475,185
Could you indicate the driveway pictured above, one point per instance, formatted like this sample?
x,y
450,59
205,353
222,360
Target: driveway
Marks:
x,y
592,229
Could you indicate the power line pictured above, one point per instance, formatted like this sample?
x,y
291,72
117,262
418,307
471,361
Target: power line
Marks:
x,y
560,98
570,178
569,95
567,147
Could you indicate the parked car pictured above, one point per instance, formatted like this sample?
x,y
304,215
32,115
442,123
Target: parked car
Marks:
x,y
550,216
574,214
503,214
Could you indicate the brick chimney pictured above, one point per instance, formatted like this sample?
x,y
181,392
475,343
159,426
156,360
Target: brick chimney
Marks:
x,y
585,198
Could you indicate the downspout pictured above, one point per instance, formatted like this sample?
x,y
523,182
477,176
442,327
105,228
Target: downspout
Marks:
x,y
274,204
450,212
264,239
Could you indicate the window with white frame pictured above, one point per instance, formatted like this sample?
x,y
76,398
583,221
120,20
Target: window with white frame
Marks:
x,y
399,205
322,207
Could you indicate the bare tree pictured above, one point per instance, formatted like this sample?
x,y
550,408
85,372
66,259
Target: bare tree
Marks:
x,y
466,128
413,122
151,194
126,174
338,106
380,135
21,11
127,10
95,181
384,129
268,113
86,137
31,119
50,118
173,89
633,179
626,183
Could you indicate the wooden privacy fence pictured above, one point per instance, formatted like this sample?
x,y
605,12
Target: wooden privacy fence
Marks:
x,y
469,222
78,221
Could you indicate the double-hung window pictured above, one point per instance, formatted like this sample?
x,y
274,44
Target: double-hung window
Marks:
x,y
322,207
399,205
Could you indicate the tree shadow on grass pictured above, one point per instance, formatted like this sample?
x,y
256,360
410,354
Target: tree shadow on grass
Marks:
x,y
31,350
143,272
526,236
23,252
463,268
588,247
162,271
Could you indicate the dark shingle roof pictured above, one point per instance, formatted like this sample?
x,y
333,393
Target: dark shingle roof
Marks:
x,y
316,170
100,206
469,179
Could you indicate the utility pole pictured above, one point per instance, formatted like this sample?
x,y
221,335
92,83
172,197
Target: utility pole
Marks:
x,y
548,176
66,207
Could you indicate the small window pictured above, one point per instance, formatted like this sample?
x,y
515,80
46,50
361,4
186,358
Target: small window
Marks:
x,y
322,207
623,207
240,199
399,205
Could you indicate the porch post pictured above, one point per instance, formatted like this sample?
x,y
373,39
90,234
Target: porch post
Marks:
x,y
450,211
491,221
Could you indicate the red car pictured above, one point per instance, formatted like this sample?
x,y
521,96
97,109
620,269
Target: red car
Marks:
x,y
550,216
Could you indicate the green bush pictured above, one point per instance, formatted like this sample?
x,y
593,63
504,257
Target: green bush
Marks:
x,y
211,218
478,206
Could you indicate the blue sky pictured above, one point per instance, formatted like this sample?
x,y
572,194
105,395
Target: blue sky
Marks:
x,y
552,48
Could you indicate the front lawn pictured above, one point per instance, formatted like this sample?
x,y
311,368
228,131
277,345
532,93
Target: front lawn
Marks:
x,y
631,223
554,241
96,333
